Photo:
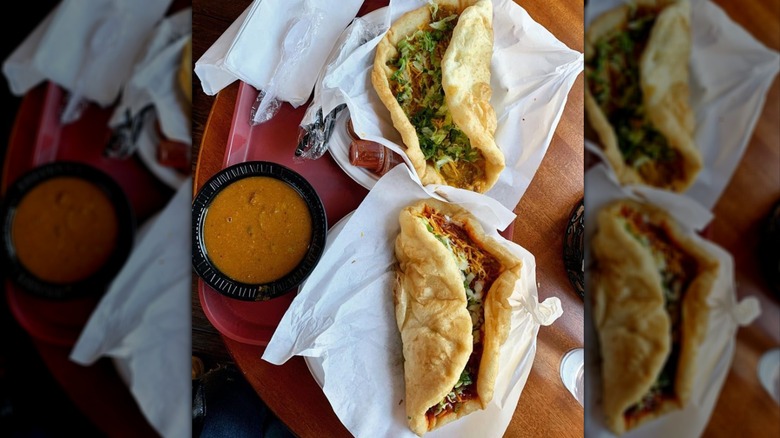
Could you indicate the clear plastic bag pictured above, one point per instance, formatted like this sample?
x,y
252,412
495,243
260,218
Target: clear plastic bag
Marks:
x,y
313,138
297,40
124,138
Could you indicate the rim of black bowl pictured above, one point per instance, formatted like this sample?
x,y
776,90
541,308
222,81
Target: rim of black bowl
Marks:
x,y
225,285
573,248
98,282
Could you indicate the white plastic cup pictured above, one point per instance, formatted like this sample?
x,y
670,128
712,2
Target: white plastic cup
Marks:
x,y
769,373
573,373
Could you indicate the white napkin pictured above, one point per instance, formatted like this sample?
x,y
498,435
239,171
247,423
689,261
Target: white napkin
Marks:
x,y
343,321
250,49
155,80
532,73
143,321
87,47
726,315
730,75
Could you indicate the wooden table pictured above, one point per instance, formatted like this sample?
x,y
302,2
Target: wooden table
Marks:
x,y
744,408
545,408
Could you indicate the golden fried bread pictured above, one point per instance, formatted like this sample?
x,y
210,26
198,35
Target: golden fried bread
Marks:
x,y
637,93
650,289
432,72
452,310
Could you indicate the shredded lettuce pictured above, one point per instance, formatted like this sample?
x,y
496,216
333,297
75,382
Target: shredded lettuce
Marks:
x,y
474,294
442,24
434,7
464,380
474,286
613,79
673,282
641,238
443,239
452,398
419,61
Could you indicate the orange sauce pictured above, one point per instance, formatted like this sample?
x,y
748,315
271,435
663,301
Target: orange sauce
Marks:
x,y
257,230
64,230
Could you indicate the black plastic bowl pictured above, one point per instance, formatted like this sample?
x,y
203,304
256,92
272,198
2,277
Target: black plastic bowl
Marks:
x,y
769,248
98,282
263,291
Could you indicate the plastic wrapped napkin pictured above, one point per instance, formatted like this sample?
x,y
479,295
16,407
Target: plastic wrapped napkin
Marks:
x,y
251,47
726,315
531,75
731,73
343,319
143,321
86,47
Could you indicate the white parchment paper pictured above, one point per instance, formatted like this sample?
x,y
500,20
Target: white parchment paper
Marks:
x,y
155,82
155,79
344,317
731,73
726,315
531,75
143,322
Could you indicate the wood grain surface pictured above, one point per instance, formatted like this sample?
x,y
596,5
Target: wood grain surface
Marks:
x,y
744,408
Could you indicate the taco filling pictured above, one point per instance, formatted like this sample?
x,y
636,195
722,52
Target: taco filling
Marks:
x,y
478,270
416,83
613,77
677,270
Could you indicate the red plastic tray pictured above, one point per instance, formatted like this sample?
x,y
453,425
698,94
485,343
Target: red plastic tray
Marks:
x,y
255,322
39,138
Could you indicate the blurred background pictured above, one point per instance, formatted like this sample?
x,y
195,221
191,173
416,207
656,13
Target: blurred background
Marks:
x,y
32,403
43,392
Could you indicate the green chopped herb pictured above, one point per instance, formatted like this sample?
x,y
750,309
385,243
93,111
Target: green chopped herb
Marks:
x,y
464,380
613,78
441,141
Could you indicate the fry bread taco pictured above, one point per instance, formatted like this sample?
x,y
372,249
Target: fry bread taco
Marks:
x,y
432,72
452,310
650,287
636,98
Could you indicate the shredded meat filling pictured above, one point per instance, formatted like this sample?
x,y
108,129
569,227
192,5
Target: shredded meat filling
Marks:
x,y
677,269
479,270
